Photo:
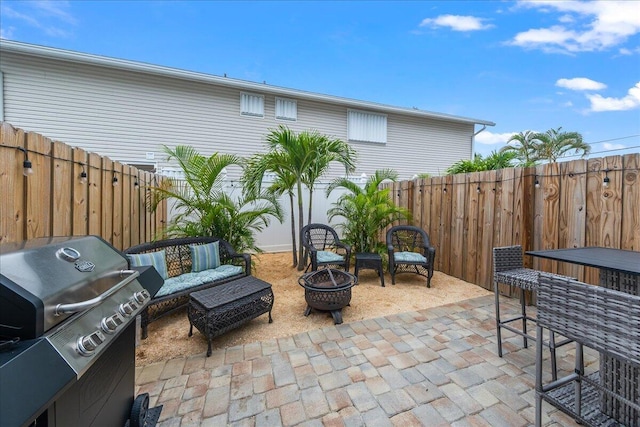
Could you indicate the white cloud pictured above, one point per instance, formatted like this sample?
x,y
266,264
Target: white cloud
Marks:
x,y
9,12
489,138
610,146
566,19
47,16
628,102
55,9
609,23
7,33
580,83
626,51
457,23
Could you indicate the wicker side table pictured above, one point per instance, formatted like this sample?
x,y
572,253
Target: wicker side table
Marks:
x,y
217,310
369,260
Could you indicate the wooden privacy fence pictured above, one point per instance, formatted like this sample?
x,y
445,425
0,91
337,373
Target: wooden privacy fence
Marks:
x,y
71,192
580,203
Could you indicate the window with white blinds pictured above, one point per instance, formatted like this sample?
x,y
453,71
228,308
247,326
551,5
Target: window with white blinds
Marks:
x,y
368,127
286,109
251,104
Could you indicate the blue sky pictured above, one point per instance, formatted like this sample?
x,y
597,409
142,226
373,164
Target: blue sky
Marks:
x,y
524,65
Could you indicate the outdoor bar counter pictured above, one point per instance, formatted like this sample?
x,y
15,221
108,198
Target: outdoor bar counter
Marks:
x,y
619,270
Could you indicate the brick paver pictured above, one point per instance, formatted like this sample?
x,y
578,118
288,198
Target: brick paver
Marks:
x,y
433,367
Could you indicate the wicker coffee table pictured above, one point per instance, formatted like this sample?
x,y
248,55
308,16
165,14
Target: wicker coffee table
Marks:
x,y
217,310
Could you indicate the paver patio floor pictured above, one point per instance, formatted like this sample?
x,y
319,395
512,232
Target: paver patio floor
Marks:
x,y
435,367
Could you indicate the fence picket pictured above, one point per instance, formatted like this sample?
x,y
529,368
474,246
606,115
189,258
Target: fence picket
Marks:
x,y
457,247
38,194
80,196
572,212
550,216
486,203
61,217
593,214
11,185
631,207
471,224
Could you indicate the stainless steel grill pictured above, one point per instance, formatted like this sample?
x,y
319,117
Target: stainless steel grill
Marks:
x,y
72,299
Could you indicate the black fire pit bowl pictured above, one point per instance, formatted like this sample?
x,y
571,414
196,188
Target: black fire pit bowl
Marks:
x,y
328,290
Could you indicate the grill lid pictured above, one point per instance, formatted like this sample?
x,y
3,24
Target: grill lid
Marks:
x,y
39,275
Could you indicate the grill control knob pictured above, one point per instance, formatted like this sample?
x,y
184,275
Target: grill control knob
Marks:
x,y
85,346
125,309
110,324
141,297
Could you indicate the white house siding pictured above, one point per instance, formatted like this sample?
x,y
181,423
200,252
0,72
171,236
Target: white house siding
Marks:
x,y
125,115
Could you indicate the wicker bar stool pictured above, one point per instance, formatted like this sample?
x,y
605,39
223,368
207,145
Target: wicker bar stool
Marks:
x,y
605,320
508,269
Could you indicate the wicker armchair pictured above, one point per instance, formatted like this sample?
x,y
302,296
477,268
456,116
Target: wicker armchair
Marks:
x,y
602,319
410,252
324,248
508,268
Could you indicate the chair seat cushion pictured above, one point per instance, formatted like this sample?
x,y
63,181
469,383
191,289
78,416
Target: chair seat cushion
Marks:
x,y
326,256
190,280
409,257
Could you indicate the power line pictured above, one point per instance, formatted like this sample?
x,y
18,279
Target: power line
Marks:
x,y
612,139
603,151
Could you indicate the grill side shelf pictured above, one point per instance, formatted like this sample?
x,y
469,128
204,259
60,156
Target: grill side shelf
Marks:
x,y
42,374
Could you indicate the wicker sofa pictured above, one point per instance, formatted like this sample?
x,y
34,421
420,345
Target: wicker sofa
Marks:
x,y
184,274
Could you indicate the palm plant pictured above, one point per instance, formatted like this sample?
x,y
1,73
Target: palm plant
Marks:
x,y
524,147
465,165
326,150
366,211
555,143
495,160
284,182
499,160
297,160
204,209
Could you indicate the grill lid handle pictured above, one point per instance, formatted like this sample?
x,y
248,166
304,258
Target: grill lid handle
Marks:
x,y
84,305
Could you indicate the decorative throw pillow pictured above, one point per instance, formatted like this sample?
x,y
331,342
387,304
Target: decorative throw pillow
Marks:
x,y
205,257
156,259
